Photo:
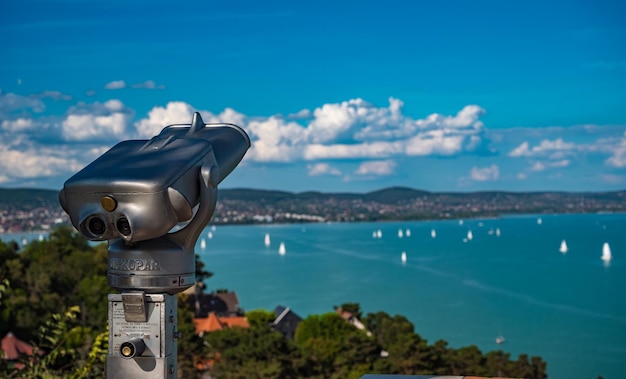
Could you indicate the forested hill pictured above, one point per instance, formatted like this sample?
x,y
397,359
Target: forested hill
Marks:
x,y
30,209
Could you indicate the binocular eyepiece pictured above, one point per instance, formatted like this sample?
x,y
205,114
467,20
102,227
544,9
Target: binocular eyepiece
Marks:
x,y
133,347
141,189
138,192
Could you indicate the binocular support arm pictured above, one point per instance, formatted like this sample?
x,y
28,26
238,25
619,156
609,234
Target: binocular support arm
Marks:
x,y
209,177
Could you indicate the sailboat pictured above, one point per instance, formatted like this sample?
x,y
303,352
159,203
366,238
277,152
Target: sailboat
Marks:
x,y
539,221
469,235
203,244
606,252
498,232
407,232
210,235
400,233
500,339
403,257
433,233
563,248
282,250
379,233
267,239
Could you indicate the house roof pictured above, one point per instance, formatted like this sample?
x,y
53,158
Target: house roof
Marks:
x,y
213,323
222,303
12,347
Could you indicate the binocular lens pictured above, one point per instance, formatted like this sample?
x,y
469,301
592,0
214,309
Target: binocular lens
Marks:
x,y
96,226
123,226
132,348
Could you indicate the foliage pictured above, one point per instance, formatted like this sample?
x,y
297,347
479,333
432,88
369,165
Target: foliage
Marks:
x,y
57,349
53,292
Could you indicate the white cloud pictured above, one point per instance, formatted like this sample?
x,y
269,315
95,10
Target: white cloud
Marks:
x,y
350,129
10,102
322,169
148,84
490,173
547,148
618,154
54,95
377,168
116,84
175,112
18,125
34,163
96,121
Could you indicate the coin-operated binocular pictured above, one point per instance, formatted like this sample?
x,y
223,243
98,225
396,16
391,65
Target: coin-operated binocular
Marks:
x,y
151,199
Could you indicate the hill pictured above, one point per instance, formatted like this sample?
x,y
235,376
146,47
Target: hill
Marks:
x,y
36,209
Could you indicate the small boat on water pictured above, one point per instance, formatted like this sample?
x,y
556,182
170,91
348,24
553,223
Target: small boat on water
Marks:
x,y
563,249
210,235
470,236
403,257
281,249
267,239
498,232
407,232
433,233
606,252
400,233
500,339
203,244
539,221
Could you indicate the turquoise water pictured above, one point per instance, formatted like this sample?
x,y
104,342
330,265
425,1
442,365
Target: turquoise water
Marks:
x,y
570,309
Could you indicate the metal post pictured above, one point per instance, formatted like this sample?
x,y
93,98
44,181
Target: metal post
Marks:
x,y
142,336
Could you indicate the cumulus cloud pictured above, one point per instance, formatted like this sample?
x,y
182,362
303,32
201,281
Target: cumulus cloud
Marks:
x,y
116,84
18,125
148,84
618,153
34,162
322,169
11,103
490,173
350,129
97,121
377,168
547,148
54,95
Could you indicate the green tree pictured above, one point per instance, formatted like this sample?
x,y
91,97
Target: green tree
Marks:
x,y
332,347
257,352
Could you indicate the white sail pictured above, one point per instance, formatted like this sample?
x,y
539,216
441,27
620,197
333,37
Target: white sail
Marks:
x,y
400,233
379,233
203,244
563,248
469,235
539,221
282,250
498,232
267,239
403,257
433,233
407,232
606,252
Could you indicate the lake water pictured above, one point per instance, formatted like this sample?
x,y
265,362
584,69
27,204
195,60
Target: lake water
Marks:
x,y
570,309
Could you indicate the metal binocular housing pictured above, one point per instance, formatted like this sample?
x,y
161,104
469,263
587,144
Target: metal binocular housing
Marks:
x,y
137,193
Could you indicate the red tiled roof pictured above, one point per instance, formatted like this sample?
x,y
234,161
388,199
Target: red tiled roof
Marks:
x,y
213,323
12,347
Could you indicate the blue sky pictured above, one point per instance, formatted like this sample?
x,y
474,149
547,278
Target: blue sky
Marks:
x,y
336,96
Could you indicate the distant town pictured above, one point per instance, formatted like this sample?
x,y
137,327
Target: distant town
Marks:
x,y
36,210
